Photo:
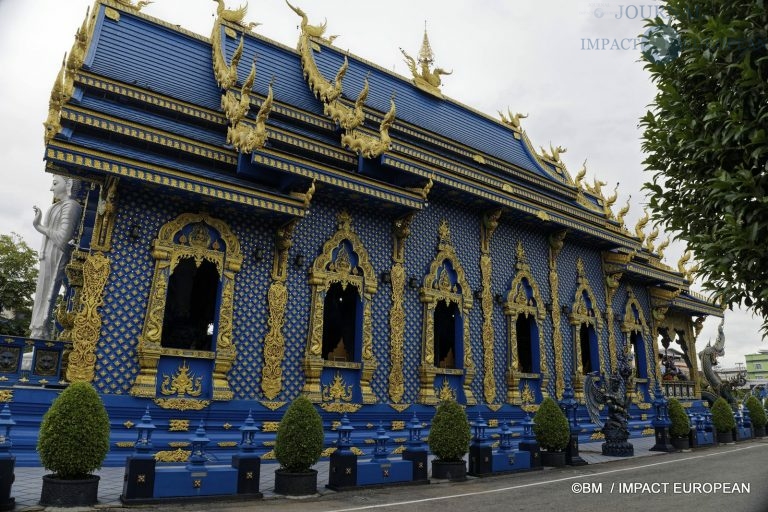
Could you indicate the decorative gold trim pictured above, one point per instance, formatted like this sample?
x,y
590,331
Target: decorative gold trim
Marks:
x,y
112,14
167,253
488,226
226,444
6,395
630,325
183,382
340,408
270,426
399,407
400,232
179,444
178,425
87,324
436,287
277,298
556,242
125,444
612,279
325,271
177,455
182,404
426,79
517,303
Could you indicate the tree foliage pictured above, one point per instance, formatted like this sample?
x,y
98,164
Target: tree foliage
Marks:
x,y
18,278
706,142
681,424
449,434
74,433
722,416
756,412
551,426
299,441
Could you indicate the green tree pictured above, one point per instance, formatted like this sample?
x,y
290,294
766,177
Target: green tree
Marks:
x,y
18,278
706,143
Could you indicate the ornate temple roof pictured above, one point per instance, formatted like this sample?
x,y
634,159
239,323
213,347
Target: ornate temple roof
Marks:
x,y
246,119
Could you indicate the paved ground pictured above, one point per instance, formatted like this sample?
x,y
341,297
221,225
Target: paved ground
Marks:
x,y
26,488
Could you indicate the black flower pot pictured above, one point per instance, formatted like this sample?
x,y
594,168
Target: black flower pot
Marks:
x,y
681,443
725,437
295,484
455,471
553,459
759,431
69,493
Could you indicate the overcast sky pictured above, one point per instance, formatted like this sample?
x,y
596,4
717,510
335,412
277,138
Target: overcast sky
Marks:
x,y
573,66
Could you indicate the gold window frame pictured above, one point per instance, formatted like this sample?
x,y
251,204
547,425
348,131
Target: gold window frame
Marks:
x,y
517,302
580,314
435,288
630,325
167,254
329,268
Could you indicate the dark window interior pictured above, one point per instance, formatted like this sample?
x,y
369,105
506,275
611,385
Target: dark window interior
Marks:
x,y
524,353
190,306
445,334
340,322
586,352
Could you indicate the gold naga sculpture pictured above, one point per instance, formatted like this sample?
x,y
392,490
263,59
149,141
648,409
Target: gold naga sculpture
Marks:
x,y
235,16
596,188
623,212
641,223
136,7
246,138
662,247
685,258
609,201
554,153
513,121
652,236
579,181
348,118
425,78
371,147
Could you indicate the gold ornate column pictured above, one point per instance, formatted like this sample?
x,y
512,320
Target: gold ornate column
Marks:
x,y
87,324
400,232
611,286
277,299
489,224
556,241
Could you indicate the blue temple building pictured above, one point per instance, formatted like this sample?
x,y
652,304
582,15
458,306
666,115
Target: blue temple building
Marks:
x,y
262,221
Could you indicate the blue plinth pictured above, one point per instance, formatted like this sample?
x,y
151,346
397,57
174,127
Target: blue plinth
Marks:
x,y
514,460
743,433
384,473
178,482
704,438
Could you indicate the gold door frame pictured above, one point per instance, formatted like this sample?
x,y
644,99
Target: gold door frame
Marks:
x,y
168,253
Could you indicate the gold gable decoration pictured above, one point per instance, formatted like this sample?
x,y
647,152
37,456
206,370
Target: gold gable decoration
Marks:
x,y
328,268
516,303
424,77
348,118
429,295
168,249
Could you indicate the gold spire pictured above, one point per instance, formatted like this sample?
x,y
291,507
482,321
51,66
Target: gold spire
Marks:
x,y
425,54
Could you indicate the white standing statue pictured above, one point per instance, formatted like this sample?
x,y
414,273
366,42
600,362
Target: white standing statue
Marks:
x,y
61,219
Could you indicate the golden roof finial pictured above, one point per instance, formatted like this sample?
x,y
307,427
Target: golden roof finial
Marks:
x,y
426,56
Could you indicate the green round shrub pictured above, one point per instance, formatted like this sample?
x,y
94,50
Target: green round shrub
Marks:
x,y
756,412
449,434
681,425
74,434
299,441
722,416
551,426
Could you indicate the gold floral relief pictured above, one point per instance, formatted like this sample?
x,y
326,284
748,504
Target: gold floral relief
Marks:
x,y
87,324
168,249
274,342
556,242
488,226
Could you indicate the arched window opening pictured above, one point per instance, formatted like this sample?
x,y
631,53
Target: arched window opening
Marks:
x,y
190,307
446,316
340,322
586,349
524,340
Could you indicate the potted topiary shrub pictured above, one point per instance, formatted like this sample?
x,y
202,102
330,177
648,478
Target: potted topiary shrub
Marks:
x,y
757,415
73,443
723,420
298,447
681,425
448,441
552,432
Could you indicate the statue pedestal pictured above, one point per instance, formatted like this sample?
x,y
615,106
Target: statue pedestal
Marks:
x,y
663,441
572,457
